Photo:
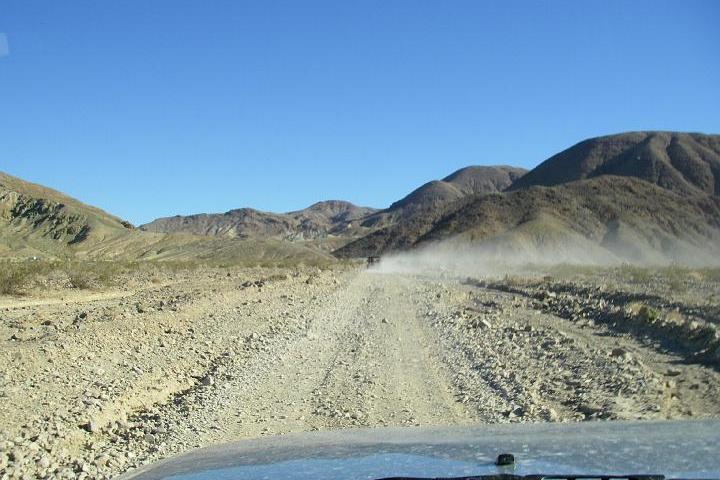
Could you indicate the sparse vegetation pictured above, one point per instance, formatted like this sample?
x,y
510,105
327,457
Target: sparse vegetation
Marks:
x,y
80,278
648,314
15,275
11,279
512,280
21,277
635,274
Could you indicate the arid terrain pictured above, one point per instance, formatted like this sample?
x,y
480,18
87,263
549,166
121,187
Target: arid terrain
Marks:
x,y
635,197
97,381
500,296
261,240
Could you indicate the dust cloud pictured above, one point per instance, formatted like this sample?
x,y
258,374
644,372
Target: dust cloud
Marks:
x,y
496,258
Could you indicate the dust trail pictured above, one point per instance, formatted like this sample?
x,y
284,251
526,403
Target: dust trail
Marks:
x,y
505,256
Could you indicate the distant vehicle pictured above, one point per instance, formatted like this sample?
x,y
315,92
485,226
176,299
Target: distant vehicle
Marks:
x,y
557,451
372,260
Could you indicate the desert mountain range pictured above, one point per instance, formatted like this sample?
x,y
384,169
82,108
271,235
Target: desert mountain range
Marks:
x,y
317,220
639,196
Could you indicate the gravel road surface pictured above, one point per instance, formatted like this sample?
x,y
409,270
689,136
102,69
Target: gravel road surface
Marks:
x,y
92,386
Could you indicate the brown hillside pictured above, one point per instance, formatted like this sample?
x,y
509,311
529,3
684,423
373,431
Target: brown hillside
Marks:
x,y
624,217
38,220
316,221
687,163
430,198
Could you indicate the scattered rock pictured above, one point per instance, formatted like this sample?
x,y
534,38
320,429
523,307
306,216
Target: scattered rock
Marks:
x,y
91,426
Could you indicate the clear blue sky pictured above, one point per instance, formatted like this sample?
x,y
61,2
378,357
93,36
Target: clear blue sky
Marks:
x,y
150,108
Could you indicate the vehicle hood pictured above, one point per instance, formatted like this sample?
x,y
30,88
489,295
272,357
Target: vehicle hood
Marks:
x,y
676,449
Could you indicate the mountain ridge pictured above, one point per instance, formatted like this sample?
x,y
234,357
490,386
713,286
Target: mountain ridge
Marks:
x,y
338,217
316,221
687,163
681,168
597,215
34,218
471,180
658,189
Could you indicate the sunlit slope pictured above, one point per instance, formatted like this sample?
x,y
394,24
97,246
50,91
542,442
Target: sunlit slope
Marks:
x,y
318,221
36,220
431,198
140,245
604,218
622,217
637,196
686,163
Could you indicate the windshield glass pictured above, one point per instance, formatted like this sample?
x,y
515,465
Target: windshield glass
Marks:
x,y
227,221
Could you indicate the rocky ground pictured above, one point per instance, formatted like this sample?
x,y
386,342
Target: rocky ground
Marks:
x,y
95,383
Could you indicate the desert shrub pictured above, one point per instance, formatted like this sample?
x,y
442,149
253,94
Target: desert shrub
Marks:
x,y
79,278
709,274
12,279
17,275
636,274
571,270
106,273
512,280
648,314
86,274
174,266
676,277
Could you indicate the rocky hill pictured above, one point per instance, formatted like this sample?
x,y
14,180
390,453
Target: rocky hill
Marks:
x,y
316,221
241,222
429,199
646,196
687,163
339,218
641,196
599,219
36,219
607,217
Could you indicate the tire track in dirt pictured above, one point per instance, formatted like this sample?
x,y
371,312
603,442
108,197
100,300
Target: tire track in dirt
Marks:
x,y
389,373
358,349
401,350
361,359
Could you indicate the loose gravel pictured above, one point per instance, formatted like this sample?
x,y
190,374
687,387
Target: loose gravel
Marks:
x,y
97,384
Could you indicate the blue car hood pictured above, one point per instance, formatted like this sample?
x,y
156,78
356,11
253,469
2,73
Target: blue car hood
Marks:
x,y
676,449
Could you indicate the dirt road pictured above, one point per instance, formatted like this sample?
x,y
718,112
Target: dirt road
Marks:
x,y
131,378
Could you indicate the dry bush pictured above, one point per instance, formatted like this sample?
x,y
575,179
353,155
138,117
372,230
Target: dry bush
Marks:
x,y
79,277
513,281
569,271
635,274
106,273
676,277
643,312
11,279
15,276
708,274
88,274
